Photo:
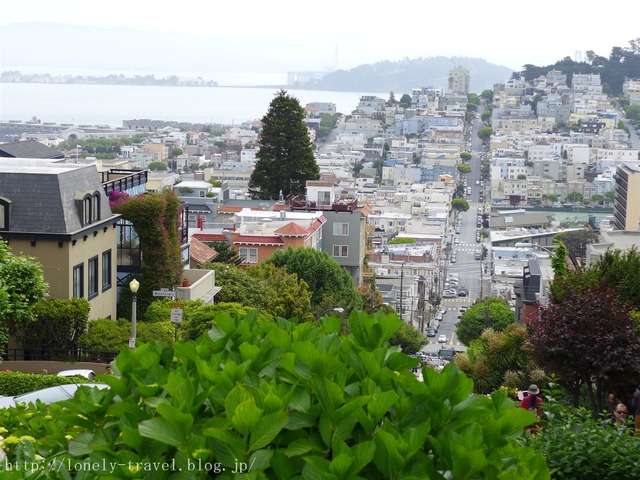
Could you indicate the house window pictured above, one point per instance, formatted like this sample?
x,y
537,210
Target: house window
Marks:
x,y
340,228
324,198
248,255
202,192
78,281
5,213
340,250
86,210
93,277
106,270
129,245
95,208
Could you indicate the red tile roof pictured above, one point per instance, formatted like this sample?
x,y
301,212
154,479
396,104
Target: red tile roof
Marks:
x,y
366,210
292,230
228,209
258,240
201,253
210,237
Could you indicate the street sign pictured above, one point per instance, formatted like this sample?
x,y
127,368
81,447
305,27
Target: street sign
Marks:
x,y
132,343
176,315
163,293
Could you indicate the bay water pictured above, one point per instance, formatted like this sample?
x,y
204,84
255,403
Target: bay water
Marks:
x,y
94,104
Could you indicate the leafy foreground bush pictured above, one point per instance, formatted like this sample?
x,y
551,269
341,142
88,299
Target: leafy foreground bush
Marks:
x,y
280,400
578,447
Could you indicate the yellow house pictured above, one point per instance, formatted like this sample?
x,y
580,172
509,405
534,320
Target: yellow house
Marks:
x,y
59,214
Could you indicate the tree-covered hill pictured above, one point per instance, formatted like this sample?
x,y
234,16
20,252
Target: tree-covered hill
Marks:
x,y
621,63
403,76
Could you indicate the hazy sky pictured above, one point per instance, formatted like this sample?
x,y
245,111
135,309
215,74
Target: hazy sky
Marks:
x,y
348,33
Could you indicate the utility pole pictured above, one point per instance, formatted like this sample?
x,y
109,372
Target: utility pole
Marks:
x,y
481,279
401,292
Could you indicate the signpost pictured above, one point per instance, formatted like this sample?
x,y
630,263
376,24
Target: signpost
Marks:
x,y
164,293
176,315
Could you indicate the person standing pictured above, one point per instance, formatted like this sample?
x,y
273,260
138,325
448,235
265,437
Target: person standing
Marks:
x,y
611,404
620,415
532,402
635,408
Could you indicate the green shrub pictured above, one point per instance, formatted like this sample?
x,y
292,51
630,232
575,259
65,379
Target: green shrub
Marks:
x,y
108,335
577,446
292,400
17,383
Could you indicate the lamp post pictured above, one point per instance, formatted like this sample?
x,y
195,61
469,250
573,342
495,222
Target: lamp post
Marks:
x,y
133,285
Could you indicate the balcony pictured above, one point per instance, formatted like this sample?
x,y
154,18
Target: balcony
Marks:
x,y
342,205
129,181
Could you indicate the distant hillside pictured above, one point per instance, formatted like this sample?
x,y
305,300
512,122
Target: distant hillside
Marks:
x,y
402,77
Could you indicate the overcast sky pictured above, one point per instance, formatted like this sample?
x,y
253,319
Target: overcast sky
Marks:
x,y
353,32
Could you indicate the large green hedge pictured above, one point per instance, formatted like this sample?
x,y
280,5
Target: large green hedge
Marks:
x,y
283,400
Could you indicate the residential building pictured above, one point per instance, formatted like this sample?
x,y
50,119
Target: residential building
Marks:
x,y
344,232
59,214
258,234
28,149
626,203
459,80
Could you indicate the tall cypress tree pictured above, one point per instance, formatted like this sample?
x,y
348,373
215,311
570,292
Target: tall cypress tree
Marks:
x,y
285,159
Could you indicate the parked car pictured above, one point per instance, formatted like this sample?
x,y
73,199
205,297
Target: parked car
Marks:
x,y
431,332
442,339
48,395
449,293
88,374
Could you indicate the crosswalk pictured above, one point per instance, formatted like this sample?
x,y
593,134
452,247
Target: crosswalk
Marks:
x,y
451,343
446,301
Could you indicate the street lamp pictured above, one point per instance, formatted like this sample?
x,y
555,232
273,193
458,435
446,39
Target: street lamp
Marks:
x,y
134,286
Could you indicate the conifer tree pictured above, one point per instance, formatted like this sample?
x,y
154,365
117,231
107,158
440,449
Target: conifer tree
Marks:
x,y
285,159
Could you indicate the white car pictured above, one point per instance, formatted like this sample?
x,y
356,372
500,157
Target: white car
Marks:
x,y
88,374
449,293
442,339
48,395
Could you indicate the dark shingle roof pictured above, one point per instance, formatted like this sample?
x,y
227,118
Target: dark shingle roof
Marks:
x,y
45,194
28,149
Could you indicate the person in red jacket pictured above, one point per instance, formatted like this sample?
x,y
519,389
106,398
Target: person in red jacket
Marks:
x,y
532,402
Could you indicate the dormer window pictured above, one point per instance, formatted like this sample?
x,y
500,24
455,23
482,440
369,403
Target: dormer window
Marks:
x,y
95,207
5,213
88,204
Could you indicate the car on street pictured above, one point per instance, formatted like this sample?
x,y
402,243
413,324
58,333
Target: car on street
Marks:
x,y
48,395
442,339
449,293
431,332
88,374
463,292
478,256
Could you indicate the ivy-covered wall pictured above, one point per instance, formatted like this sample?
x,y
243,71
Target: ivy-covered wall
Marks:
x,y
155,218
